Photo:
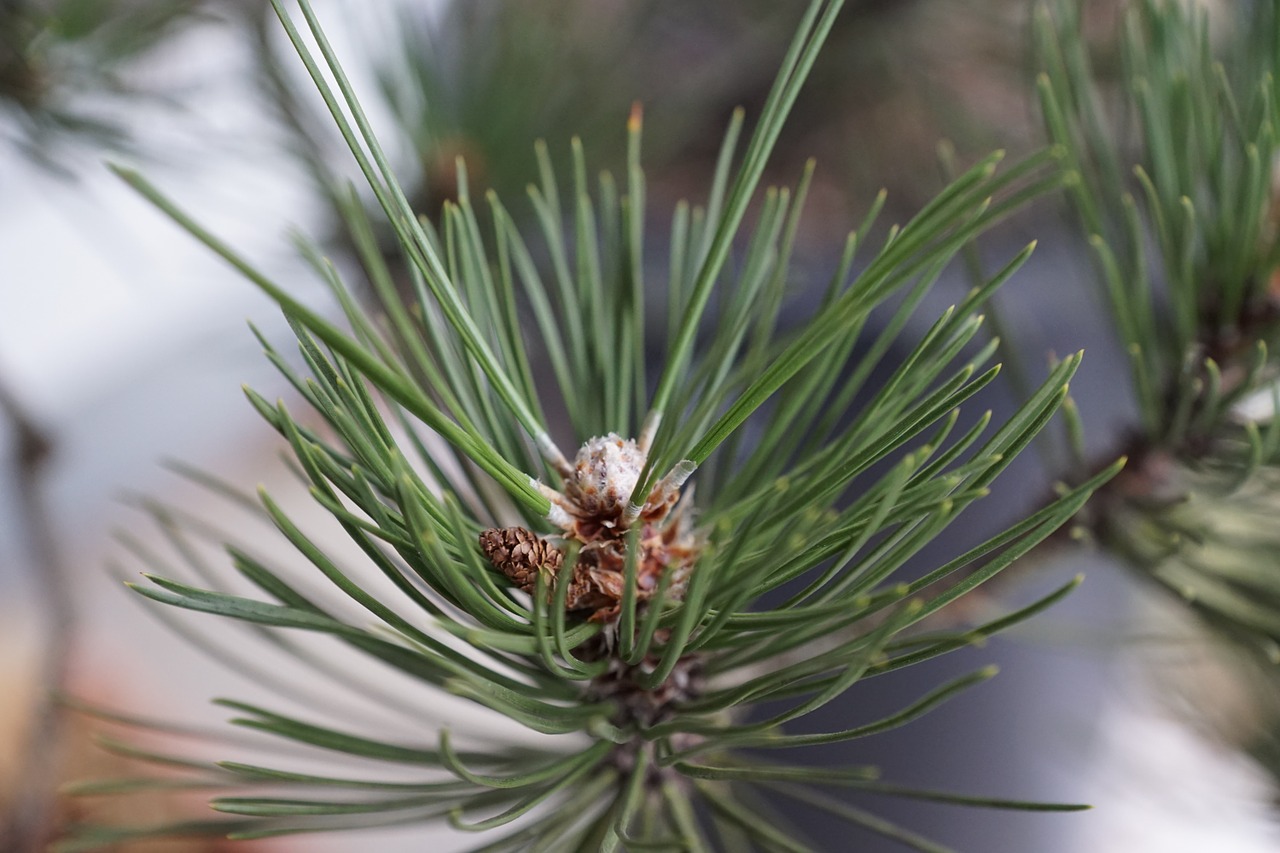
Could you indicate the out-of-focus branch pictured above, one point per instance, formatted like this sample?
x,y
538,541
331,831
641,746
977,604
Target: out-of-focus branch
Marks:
x,y
305,132
26,822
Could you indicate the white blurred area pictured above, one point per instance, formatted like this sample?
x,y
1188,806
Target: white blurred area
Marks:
x,y
126,342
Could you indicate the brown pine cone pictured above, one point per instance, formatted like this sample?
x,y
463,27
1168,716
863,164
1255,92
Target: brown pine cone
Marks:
x,y
521,554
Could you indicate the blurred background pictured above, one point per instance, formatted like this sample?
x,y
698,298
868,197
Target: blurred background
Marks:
x,y
123,343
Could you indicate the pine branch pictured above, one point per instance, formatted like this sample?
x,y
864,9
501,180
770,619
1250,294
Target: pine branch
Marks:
x,y
625,620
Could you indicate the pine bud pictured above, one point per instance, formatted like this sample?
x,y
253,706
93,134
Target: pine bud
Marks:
x,y
605,473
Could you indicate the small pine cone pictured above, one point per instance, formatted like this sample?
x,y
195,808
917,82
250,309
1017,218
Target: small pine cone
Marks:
x,y
520,554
